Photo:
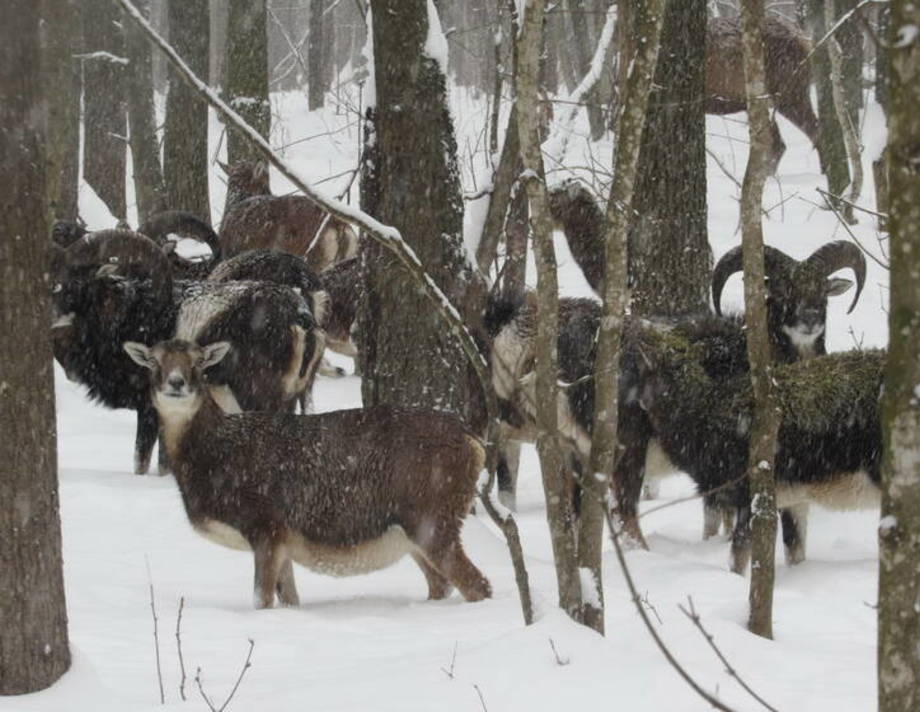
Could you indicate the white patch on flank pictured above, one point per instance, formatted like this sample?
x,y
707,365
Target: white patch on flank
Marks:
x,y
222,534
362,558
803,342
849,490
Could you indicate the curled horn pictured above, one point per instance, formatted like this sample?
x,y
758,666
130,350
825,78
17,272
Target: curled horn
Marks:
x,y
839,255
774,261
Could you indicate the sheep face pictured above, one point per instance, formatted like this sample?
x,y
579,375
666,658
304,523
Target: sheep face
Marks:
x,y
797,307
177,371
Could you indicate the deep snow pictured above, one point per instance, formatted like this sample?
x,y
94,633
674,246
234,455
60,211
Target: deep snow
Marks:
x,y
374,642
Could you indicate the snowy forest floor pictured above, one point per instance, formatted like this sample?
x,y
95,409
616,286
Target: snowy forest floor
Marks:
x,y
374,642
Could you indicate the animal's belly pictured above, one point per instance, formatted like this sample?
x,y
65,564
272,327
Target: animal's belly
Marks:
x,y
222,534
363,558
850,490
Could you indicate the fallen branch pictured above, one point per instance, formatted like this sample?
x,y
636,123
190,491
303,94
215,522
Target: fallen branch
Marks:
x,y
246,665
179,648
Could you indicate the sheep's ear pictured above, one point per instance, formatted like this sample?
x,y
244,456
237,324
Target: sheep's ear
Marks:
x,y
169,247
140,354
214,353
838,285
573,188
260,170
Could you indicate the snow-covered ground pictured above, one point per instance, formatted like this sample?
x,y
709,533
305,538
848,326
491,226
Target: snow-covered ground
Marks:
x,y
374,642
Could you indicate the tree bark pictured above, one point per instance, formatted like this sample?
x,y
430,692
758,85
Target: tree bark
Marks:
x,y
33,646
630,122
61,76
104,110
185,140
669,256
832,152
410,360
149,188
585,43
247,74
899,531
558,503
765,428
316,85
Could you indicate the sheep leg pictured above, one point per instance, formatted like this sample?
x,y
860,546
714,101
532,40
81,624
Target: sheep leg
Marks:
x,y
728,520
445,553
509,459
778,147
712,518
630,472
741,540
438,586
794,521
146,436
287,589
269,559
163,465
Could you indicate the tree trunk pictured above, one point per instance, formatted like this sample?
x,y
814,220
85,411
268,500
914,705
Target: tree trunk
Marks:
x,y
669,256
409,359
104,111
630,122
149,188
61,39
765,428
185,140
219,28
899,531
584,51
247,74
558,503
833,152
316,85
34,650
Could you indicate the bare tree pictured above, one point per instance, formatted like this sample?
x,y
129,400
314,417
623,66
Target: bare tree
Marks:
x,y
765,428
247,73
558,503
316,79
61,35
145,148
630,122
104,110
669,256
33,647
185,140
899,531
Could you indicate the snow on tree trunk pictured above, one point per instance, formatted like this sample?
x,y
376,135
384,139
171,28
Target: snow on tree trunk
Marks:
x,y
669,256
145,148
185,139
630,122
247,74
765,428
104,110
33,644
899,531
555,471
61,36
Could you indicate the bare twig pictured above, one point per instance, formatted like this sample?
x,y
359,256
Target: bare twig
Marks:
x,y
560,661
648,604
697,621
482,700
453,659
830,205
179,648
246,665
156,634
637,601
